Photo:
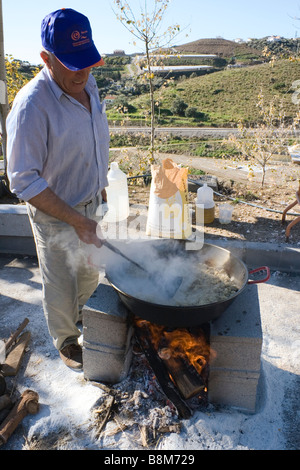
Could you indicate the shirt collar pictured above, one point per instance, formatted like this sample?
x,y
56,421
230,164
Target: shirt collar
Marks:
x,y
58,92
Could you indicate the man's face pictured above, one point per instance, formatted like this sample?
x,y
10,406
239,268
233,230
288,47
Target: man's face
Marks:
x,y
72,83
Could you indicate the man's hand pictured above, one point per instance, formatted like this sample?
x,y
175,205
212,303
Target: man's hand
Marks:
x,y
104,195
49,203
87,231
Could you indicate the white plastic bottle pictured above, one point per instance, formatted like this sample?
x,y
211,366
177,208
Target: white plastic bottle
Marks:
x,y
117,194
2,352
205,197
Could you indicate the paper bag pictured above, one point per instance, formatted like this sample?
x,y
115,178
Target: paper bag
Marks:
x,y
169,215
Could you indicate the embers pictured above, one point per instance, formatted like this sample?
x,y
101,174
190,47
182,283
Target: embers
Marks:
x,y
180,361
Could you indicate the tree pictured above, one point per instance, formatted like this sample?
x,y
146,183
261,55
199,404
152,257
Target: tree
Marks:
x,y
3,100
123,105
191,112
145,26
179,107
13,80
268,137
10,83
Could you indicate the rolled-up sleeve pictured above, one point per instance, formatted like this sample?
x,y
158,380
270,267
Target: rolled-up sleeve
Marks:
x,y
26,150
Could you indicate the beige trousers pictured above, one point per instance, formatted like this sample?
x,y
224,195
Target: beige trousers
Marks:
x,y
67,279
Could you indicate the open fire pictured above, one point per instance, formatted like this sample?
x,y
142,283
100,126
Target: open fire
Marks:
x,y
181,355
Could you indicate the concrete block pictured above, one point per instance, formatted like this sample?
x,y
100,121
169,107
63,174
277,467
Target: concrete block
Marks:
x,y
106,320
104,328
236,341
105,299
18,245
233,353
107,334
15,230
14,221
108,365
237,389
242,318
236,337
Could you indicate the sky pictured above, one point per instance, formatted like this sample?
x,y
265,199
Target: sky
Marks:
x,y
198,19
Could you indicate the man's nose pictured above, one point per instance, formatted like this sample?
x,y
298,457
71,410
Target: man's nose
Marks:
x,y
83,72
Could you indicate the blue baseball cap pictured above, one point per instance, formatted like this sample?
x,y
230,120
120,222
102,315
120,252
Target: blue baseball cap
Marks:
x,y
68,35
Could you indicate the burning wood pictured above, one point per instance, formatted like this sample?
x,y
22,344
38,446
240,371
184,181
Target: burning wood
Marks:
x,y
166,378
188,382
185,355
161,372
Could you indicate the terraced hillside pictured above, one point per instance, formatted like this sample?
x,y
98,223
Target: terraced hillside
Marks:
x,y
230,95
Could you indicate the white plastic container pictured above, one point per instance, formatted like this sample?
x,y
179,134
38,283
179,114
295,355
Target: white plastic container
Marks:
x,y
205,200
2,352
117,194
225,213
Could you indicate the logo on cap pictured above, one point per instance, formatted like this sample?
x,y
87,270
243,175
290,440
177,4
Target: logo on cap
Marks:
x,y
75,35
80,38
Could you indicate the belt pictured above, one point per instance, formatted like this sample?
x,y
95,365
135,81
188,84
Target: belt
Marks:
x,y
85,204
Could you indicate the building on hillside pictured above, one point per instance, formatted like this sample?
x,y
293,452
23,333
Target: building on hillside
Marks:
x,y
274,38
119,52
179,68
180,56
110,99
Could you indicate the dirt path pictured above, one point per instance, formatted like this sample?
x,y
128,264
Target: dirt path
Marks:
x,y
278,173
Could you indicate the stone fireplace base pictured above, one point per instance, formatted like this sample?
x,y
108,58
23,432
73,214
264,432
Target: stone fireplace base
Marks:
x,y
235,338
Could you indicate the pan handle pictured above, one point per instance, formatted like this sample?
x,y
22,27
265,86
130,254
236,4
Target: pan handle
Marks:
x,y
263,268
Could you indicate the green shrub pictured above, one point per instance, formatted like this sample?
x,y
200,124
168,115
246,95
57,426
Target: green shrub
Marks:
x,y
178,107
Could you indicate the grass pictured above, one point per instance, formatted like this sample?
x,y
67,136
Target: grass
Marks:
x,y
196,172
228,96
209,148
231,95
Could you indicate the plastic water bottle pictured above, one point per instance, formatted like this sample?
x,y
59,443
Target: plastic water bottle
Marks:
x,y
2,352
205,197
117,194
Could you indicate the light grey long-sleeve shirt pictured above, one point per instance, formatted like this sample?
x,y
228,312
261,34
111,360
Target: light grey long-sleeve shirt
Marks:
x,y
54,141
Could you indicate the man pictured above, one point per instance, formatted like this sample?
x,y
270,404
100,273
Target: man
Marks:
x,y
57,152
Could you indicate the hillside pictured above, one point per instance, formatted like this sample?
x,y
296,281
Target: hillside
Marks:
x,y
232,94
220,47
281,47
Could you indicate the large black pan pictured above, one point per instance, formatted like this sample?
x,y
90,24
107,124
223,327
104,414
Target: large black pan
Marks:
x,y
189,316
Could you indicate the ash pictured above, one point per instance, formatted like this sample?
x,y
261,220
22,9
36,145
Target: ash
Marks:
x,y
137,408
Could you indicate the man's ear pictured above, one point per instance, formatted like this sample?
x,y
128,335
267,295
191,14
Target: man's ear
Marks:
x,y
45,57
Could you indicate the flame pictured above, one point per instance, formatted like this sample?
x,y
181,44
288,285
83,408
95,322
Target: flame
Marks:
x,y
183,344
180,343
